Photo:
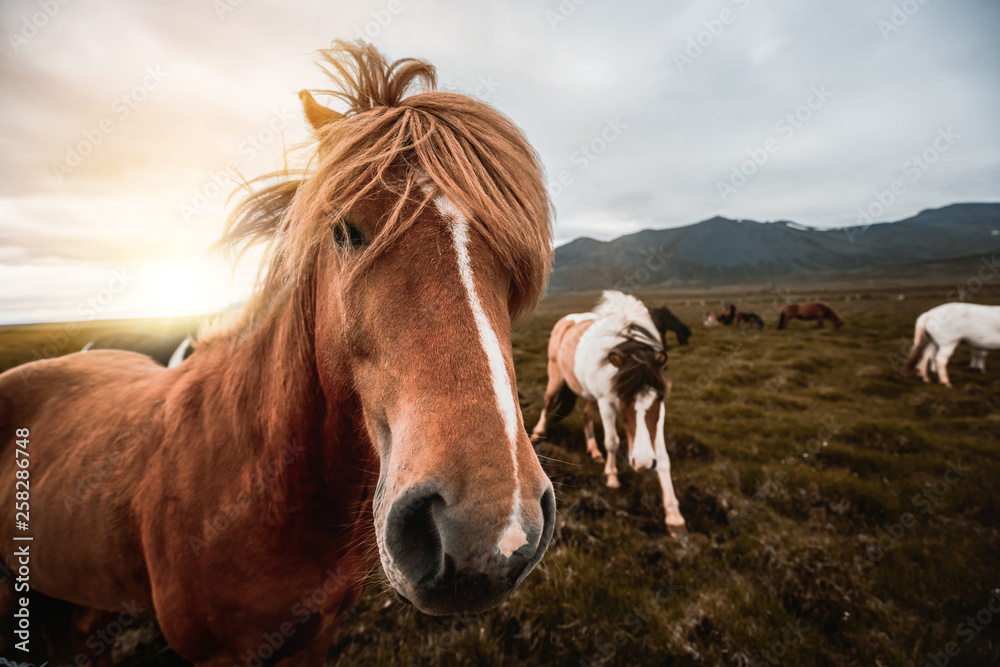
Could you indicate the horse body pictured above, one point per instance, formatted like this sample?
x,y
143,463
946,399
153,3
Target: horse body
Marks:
x,y
191,523
612,358
166,350
817,310
941,329
237,494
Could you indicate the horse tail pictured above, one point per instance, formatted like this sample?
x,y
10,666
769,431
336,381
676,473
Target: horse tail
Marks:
x,y
920,340
782,321
564,403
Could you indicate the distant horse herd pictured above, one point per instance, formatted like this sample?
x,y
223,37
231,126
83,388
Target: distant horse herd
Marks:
x,y
425,213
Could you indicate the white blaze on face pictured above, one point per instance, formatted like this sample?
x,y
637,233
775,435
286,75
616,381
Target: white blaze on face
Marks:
x,y
642,448
513,536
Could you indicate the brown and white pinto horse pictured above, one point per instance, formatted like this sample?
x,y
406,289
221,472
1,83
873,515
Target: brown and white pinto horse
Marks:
x,y
816,310
425,214
613,358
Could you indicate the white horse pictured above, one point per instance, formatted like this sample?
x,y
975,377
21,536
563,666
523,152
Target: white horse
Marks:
x,y
613,358
940,330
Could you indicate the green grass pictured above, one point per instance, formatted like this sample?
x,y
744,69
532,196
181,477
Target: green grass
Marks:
x,y
745,408
791,450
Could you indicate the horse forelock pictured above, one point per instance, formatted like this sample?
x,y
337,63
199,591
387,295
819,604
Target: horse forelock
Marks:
x,y
390,145
638,371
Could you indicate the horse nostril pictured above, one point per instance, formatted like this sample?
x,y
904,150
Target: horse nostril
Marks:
x,y
412,535
653,467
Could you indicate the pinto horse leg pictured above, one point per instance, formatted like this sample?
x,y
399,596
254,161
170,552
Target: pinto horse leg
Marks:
x,y
552,391
588,428
676,525
609,418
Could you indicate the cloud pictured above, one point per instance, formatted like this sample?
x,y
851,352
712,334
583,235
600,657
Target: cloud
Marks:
x,y
696,86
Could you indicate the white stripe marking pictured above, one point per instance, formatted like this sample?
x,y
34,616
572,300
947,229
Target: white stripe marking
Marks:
x,y
513,536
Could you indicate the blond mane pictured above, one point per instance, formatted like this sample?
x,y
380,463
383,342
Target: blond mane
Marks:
x,y
390,139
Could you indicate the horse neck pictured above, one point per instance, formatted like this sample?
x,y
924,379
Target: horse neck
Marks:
x,y
305,440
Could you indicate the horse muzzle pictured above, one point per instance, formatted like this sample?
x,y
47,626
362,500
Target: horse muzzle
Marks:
x,y
445,556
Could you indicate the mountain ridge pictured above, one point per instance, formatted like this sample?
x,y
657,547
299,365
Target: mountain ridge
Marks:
x,y
721,249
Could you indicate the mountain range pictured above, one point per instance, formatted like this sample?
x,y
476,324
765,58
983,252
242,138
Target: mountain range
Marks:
x,y
720,250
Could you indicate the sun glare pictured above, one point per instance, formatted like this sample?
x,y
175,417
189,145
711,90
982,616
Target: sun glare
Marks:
x,y
184,287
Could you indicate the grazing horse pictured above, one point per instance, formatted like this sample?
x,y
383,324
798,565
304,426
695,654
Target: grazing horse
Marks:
x,y
939,331
363,396
752,319
612,357
165,350
666,321
730,316
816,310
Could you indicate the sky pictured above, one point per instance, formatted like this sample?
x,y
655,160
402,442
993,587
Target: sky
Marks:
x,y
124,126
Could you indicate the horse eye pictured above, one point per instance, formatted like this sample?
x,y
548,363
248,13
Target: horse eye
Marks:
x,y
347,234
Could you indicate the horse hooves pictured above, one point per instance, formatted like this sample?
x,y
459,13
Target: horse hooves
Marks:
x,y
613,484
598,457
536,438
677,531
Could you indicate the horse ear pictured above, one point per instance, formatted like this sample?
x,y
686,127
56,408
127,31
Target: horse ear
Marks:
x,y
318,115
660,358
615,359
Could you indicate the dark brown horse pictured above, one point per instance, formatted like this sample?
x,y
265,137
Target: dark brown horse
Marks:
x,y
750,319
816,310
731,316
666,321
238,494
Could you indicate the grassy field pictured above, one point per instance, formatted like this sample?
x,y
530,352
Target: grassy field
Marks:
x,y
838,514
797,457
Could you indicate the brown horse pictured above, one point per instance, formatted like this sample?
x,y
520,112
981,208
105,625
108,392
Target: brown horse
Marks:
x,y
750,319
816,310
240,490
